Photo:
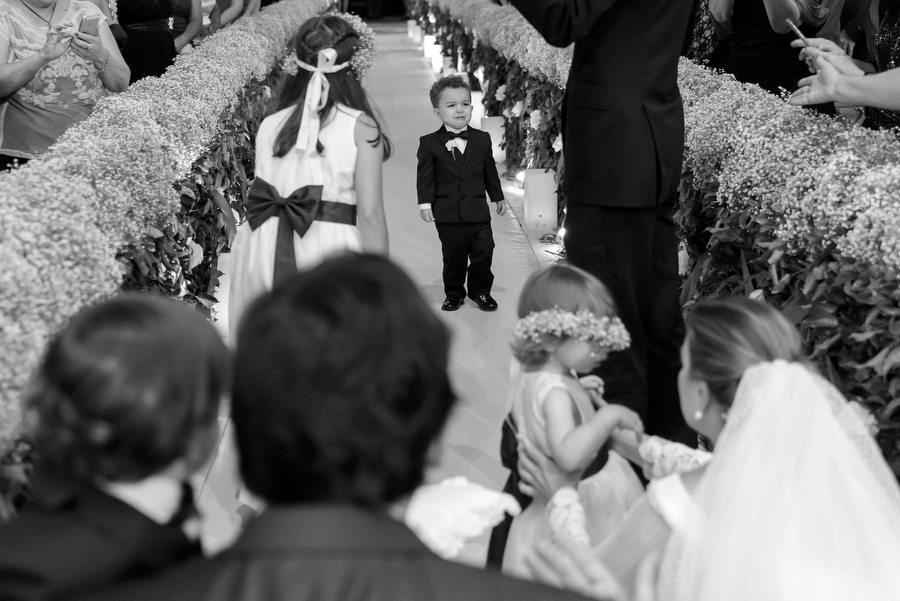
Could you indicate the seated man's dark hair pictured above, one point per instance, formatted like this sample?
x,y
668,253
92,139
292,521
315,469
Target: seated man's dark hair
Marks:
x,y
127,388
451,82
341,385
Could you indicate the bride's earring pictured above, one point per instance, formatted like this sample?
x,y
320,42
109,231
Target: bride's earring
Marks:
x,y
698,415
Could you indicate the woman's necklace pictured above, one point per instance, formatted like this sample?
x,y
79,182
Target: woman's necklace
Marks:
x,y
37,14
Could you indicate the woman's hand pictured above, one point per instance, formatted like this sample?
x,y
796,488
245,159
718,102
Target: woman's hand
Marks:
x,y
541,478
816,47
818,88
90,48
56,45
843,63
820,44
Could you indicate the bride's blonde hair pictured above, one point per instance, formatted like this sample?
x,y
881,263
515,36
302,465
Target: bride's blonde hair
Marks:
x,y
726,336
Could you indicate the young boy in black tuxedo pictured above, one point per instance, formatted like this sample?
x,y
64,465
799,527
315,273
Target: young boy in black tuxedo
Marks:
x,y
455,167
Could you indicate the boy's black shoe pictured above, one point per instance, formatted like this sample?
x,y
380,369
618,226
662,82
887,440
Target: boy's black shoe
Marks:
x,y
452,303
484,302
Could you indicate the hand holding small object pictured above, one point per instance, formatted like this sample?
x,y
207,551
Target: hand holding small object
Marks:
x,y
90,48
820,44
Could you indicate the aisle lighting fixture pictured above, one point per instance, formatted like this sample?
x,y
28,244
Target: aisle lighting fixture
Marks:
x,y
477,109
428,45
496,126
540,198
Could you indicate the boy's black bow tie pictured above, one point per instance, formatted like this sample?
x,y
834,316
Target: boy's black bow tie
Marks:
x,y
464,134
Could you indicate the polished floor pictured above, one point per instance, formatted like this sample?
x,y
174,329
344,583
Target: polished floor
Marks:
x,y
398,85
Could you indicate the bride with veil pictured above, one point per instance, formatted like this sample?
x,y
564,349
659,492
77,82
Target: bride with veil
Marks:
x,y
797,502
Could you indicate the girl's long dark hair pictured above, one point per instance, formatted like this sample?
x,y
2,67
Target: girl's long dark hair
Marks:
x,y
319,33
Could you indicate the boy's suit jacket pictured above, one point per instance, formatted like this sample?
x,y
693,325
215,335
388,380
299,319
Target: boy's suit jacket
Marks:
x,y
74,538
457,192
623,122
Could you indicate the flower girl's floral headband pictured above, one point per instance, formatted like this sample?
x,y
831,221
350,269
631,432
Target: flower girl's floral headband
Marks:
x,y
362,58
606,331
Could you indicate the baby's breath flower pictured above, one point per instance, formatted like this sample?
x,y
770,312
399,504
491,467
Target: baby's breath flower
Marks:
x,y
606,331
365,55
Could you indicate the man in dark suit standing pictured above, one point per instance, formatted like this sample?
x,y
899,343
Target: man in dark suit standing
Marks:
x,y
341,390
455,168
623,139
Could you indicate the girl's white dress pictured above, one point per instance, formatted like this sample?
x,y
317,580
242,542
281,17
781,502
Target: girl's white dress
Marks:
x,y
253,251
606,495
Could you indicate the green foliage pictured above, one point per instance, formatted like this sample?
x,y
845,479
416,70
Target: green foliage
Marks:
x,y
15,469
179,260
848,316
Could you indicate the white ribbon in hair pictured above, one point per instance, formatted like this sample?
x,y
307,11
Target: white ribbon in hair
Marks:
x,y
316,97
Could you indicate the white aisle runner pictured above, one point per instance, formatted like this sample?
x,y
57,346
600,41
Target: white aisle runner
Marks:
x,y
398,85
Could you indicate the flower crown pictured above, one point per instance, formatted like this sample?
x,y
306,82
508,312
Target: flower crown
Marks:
x,y
362,58
583,325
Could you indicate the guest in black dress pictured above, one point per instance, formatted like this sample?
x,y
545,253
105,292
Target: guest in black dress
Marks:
x,y
150,48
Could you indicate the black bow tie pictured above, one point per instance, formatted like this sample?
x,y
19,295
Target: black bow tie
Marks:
x,y
464,134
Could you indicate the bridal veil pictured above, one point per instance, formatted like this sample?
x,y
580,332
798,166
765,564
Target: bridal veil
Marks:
x,y
798,502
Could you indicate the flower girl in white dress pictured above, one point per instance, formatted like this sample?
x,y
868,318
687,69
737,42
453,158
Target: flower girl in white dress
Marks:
x,y
318,188
568,326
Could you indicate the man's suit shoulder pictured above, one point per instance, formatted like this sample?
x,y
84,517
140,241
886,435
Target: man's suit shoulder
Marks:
x,y
428,577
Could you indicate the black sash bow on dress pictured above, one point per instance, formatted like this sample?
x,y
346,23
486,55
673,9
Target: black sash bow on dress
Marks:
x,y
295,214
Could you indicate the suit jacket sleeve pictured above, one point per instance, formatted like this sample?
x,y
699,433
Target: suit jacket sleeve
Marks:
x,y
562,22
491,178
424,173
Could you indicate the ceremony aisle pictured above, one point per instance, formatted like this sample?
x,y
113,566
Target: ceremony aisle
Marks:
x,y
398,85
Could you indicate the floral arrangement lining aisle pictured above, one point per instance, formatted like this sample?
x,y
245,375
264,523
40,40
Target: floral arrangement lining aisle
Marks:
x,y
110,183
